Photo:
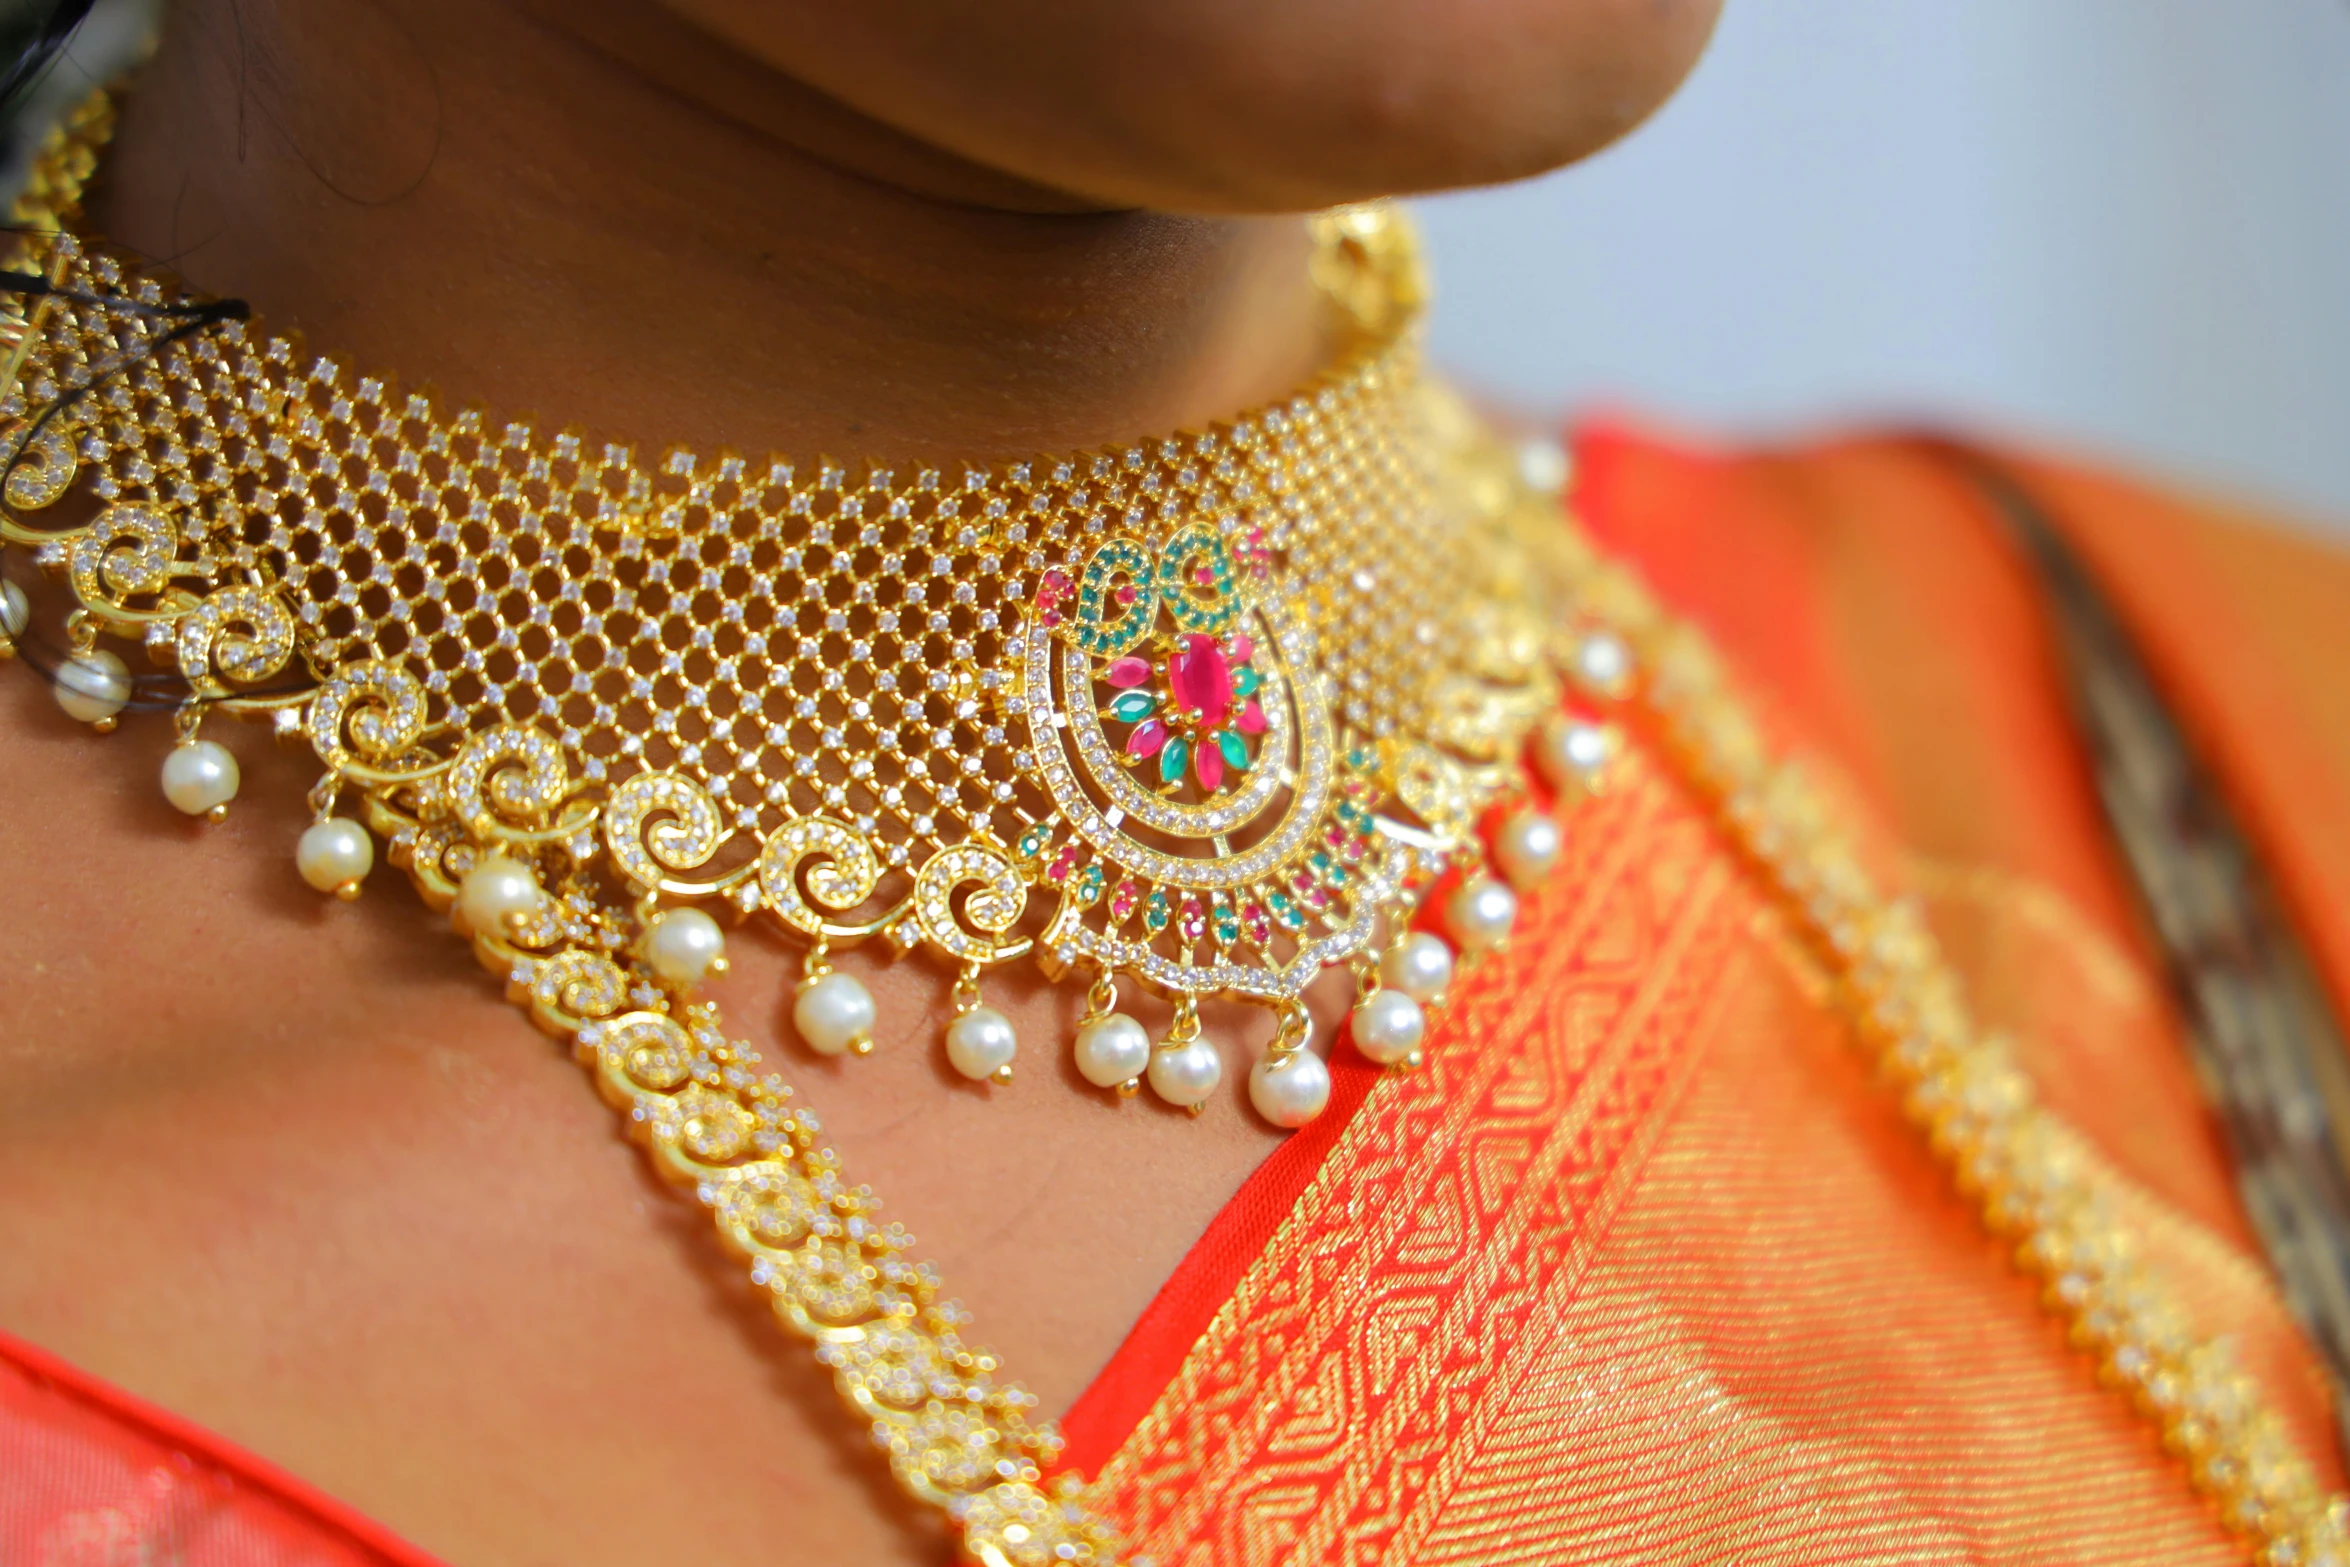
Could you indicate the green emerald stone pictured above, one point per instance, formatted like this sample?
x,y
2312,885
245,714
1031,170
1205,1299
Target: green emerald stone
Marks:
x,y
1133,706
1172,759
1234,748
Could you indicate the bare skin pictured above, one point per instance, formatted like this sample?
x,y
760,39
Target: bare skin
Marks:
x,y
292,1168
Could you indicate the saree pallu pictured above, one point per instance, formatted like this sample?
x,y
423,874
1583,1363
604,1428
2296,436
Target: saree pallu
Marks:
x,y
1644,1266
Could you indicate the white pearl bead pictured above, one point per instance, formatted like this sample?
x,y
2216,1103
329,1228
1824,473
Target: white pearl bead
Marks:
x,y
198,775
1289,1090
1420,966
1387,1026
980,1043
835,1015
683,945
335,854
496,890
1603,663
16,612
92,687
1186,1074
1573,754
1113,1050
1544,466
1480,913
1528,846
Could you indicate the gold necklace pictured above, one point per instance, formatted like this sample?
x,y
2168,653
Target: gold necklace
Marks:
x,y
1198,717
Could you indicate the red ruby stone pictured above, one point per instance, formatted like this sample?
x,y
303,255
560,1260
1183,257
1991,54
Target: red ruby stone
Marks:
x,y
1201,678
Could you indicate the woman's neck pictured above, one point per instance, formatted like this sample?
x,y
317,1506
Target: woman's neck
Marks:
x,y
589,213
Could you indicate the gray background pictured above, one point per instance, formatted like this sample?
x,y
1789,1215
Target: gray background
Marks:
x,y
2119,225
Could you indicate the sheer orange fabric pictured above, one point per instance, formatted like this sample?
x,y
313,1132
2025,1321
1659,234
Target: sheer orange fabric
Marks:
x,y
1642,1267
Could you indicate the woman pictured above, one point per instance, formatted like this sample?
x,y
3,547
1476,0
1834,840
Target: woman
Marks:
x,y
312,1254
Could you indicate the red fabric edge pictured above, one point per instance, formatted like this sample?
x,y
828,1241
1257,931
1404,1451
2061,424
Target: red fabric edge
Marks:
x,y
185,1436
1109,1409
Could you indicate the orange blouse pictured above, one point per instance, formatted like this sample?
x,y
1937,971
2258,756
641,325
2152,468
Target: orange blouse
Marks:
x,y
1643,1267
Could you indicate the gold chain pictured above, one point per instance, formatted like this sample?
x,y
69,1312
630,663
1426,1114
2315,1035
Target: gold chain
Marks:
x,y
578,696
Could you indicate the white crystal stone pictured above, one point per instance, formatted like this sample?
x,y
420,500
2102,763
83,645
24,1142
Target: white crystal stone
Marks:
x,y
1113,1050
496,891
1574,754
334,854
1528,845
834,1015
1185,1074
981,1043
16,612
682,944
198,775
1543,465
1420,966
1480,913
92,687
1387,1026
1289,1090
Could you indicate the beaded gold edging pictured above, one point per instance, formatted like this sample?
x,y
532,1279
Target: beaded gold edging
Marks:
x,y
2022,1168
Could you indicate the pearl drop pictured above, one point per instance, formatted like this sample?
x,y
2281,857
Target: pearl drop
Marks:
x,y
199,775
1186,1074
1480,913
1387,1026
1289,1090
1113,1050
1574,755
92,687
683,945
980,1043
16,611
1544,466
335,854
494,891
1528,846
1420,966
1603,663
835,1015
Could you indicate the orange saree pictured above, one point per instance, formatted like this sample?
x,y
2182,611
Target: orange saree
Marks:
x,y
1644,1266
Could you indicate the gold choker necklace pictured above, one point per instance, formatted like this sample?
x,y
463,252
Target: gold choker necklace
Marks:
x,y
1196,717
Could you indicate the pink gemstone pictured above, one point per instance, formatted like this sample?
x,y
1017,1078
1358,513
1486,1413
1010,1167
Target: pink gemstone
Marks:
x,y
1063,863
1316,898
1123,900
1126,673
1146,738
1205,576
1053,588
1335,837
1253,919
1240,647
1252,718
1208,762
1192,924
1202,679
1125,593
